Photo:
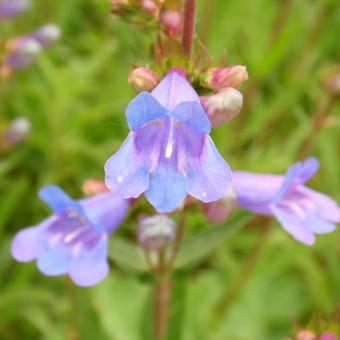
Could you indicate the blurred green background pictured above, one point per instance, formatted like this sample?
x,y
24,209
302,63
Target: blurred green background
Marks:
x,y
75,98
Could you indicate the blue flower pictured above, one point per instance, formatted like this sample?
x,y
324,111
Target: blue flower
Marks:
x,y
73,240
301,211
168,153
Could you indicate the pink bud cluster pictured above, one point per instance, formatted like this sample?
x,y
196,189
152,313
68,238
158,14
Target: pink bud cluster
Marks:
x,y
227,103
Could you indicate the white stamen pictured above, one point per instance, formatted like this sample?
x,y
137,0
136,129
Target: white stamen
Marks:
x,y
170,144
71,236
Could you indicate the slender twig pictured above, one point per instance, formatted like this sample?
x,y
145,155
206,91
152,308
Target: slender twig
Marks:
x,y
189,26
162,294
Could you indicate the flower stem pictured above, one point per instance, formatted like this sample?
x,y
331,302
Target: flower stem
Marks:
x,y
189,26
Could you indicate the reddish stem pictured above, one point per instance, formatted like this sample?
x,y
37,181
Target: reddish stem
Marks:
x,y
189,26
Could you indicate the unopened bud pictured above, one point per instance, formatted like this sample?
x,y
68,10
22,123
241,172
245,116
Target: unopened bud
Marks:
x,y
328,336
306,335
150,7
23,52
47,35
219,211
333,84
223,106
220,78
9,8
94,187
119,6
143,79
171,21
156,231
18,130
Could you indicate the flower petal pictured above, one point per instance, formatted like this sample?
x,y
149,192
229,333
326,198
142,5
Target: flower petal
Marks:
x,y
55,261
192,114
326,207
143,109
173,90
209,177
28,244
90,267
319,226
125,173
106,210
57,199
166,191
294,225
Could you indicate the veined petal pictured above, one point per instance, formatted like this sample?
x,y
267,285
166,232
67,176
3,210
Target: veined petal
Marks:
x,y
173,90
105,210
166,191
143,109
125,173
209,177
298,173
294,225
90,267
192,114
326,207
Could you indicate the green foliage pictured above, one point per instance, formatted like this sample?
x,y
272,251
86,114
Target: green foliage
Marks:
x,y
75,97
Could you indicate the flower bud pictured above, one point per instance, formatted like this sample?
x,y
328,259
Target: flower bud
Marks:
x,y
171,22
143,79
333,84
220,78
223,106
219,211
47,35
119,5
150,7
9,8
18,130
93,187
156,231
328,336
306,335
23,52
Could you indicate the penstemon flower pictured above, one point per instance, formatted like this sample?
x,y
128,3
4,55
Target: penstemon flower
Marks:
x,y
168,153
73,240
301,211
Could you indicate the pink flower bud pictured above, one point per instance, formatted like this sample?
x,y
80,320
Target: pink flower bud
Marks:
x,y
218,211
333,84
305,334
171,21
143,79
119,6
223,106
150,7
156,231
220,78
94,187
328,336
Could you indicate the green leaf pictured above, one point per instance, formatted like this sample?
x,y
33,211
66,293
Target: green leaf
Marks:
x,y
201,244
127,255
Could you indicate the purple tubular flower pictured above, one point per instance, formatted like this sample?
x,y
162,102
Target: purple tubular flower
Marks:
x,y
9,8
301,211
73,240
168,153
